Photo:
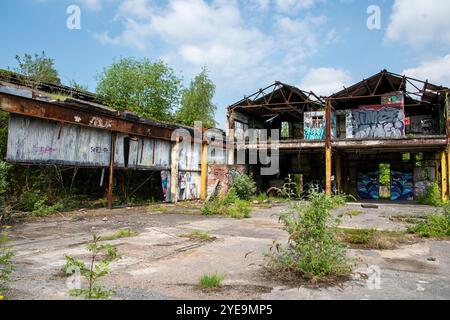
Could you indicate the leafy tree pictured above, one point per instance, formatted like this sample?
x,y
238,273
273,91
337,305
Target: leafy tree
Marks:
x,y
150,89
39,68
196,102
78,86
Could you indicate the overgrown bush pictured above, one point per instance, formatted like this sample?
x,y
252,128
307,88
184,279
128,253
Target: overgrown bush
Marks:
x,y
436,225
314,250
230,206
6,265
433,196
240,210
244,186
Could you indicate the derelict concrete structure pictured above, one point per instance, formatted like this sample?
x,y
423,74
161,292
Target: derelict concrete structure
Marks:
x,y
339,142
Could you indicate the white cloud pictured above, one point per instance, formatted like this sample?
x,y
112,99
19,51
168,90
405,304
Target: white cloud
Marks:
x,y
196,33
94,5
437,71
325,81
418,22
288,6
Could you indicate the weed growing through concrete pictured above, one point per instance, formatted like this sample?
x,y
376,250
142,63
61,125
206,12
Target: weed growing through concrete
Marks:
x,y
94,271
375,239
209,282
354,213
160,209
197,235
6,265
231,205
436,225
119,234
314,251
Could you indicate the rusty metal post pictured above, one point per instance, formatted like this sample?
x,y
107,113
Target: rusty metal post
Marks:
x,y
111,169
328,151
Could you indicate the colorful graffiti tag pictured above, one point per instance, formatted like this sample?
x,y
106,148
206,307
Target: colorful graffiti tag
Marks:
x,y
165,182
315,125
376,122
369,185
402,186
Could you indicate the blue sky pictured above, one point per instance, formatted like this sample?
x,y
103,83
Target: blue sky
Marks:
x,y
313,44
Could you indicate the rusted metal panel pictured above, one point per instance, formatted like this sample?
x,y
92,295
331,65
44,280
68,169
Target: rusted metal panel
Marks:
x,y
76,115
38,141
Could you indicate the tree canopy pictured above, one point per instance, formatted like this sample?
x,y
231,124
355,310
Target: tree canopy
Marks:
x,y
150,89
39,68
196,102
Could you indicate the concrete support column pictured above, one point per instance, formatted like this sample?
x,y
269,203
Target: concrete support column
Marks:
x,y
204,177
174,171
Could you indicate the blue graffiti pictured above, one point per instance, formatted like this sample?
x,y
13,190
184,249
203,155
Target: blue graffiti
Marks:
x,y
369,186
402,186
315,133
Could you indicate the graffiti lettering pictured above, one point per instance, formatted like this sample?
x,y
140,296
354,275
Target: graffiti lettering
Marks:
x,y
44,149
378,123
99,150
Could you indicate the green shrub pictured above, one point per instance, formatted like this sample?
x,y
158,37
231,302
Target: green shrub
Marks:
x,y
6,265
240,210
213,281
43,210
314,250
230,206
433,196
436,225
244,186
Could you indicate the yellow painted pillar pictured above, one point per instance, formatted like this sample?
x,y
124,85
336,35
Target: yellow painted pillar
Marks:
x,y
204,182
444,178
448,170
328,168
328,151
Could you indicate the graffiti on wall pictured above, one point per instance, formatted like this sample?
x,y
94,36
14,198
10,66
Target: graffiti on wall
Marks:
x,y
165,182
315,125
423,178
376,122
402,186
188,186
369,185
221,177
425,125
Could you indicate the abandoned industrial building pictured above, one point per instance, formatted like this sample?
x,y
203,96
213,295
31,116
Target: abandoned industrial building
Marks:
x,y
341,142
338,143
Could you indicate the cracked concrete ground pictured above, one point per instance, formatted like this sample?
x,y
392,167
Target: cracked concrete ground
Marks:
x,y
159,264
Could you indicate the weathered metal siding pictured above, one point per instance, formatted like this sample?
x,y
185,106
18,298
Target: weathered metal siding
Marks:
x,y
189,177
32,140
144,153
